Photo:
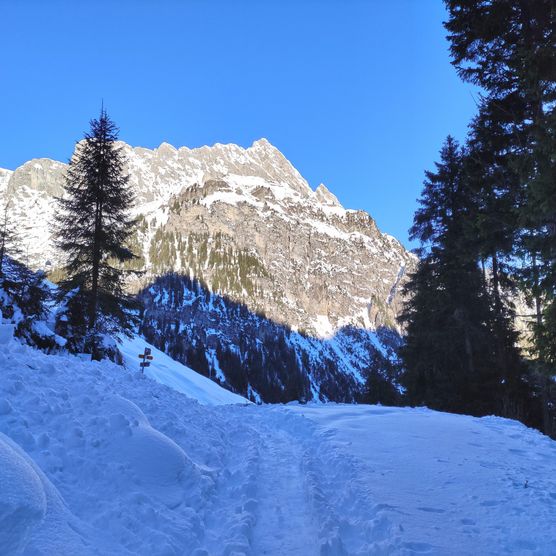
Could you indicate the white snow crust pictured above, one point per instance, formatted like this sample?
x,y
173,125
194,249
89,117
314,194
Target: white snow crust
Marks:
x,y
99,459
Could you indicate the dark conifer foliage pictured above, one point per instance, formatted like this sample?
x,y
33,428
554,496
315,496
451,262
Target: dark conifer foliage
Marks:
x,y
93,226
9,241
491,168
509,49
443,321
24,298
488,221
458,356
541,212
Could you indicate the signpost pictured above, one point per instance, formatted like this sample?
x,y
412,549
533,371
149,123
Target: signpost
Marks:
x,y
146,359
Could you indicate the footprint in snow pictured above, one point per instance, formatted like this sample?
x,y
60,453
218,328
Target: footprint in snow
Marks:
x,y
490,503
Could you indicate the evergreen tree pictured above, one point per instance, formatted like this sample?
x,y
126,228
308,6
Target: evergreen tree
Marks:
x,y
93,228
495,183
542,213
9,241
506,47
509,49
379,389
448,356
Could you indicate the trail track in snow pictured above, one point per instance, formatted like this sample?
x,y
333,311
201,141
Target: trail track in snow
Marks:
x,y
285,524
285,489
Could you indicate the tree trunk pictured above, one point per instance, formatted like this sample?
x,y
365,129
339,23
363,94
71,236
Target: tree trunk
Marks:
x,y
536,293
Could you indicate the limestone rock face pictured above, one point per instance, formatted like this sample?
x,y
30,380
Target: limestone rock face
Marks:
x,y
245,223
31,191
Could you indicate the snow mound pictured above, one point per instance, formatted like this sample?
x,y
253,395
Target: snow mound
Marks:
x,y
34,519
156,464
23,501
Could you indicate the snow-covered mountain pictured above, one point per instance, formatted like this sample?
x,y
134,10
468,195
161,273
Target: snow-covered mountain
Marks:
x,y
247,226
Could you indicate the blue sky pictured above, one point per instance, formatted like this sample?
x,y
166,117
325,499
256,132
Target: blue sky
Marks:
x,y
358,94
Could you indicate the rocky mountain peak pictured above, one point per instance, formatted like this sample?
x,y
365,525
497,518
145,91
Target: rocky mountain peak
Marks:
x,y
270,263
262,143
165,149
326,197
41,175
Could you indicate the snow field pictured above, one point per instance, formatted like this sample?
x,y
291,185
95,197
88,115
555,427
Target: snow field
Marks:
x,y
454,484
98,459
130,466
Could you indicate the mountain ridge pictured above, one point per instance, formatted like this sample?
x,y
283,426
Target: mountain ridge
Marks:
x,y
248,226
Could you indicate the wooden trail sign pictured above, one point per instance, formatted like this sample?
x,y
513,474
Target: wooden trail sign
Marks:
x,y
147,358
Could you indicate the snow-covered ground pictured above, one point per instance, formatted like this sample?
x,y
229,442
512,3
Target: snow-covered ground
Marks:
x,y
455,484
97,459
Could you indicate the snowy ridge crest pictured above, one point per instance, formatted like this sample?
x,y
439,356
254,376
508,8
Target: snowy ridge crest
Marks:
x,y
319,266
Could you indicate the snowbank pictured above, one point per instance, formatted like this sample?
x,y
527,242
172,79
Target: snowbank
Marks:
x,y
23,501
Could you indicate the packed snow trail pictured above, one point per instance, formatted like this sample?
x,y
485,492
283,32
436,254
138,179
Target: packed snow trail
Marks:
x,y
285,525
97,459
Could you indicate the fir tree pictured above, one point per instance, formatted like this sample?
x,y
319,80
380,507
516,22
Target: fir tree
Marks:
x,y
495,184
9,240
509,49
94,226
448,355
542,213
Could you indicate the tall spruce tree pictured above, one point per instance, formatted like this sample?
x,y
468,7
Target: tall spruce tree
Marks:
x,y
494,182
93,227
449,354
9,240
509,49
541,212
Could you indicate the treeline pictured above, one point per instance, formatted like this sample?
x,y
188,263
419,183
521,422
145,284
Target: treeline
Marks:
x,y
486,225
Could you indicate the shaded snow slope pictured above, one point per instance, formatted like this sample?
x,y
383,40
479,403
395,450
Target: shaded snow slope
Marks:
x,y
98,459
177,376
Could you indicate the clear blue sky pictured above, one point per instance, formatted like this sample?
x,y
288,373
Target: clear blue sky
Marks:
x,y
357,94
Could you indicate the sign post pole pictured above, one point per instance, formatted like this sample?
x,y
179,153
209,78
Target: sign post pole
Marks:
x,y
146,359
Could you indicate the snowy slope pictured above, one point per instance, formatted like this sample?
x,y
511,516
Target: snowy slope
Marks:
x,y
96,459
169,372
